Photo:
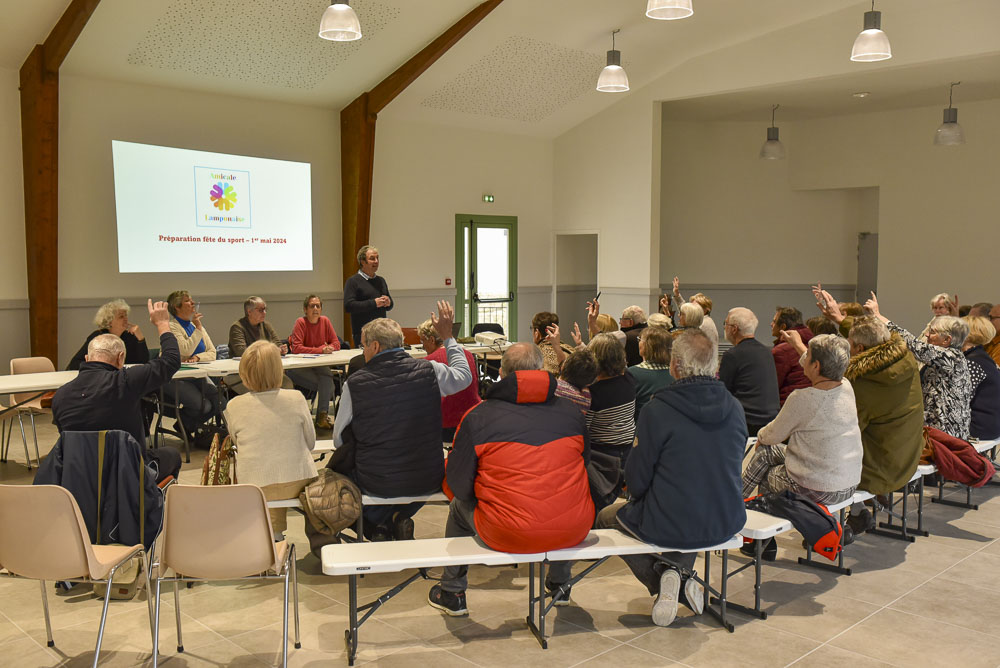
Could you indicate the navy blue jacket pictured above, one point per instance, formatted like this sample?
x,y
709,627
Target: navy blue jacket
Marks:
x,y
684,473
986,397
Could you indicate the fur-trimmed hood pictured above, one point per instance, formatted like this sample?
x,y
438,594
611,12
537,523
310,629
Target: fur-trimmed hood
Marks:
x,y
880,364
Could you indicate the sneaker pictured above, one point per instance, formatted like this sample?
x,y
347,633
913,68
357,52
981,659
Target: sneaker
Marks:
x,y
402,528
560,599
768,553
665,605
451,603
862,522
694,594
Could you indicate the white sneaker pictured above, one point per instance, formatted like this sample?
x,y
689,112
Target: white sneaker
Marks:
x,y
665,605
695,595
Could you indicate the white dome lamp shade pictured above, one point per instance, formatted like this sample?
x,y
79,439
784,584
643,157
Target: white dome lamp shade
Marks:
x,y
950,133
613,78
669,10
340,23
772,149
871,44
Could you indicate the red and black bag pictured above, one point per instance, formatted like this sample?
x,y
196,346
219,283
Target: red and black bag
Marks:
x,y
816,524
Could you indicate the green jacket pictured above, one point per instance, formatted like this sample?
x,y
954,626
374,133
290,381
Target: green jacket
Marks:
x,y
886,383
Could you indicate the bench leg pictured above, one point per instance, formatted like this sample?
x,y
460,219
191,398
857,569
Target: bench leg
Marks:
x,y
755,611
899,531
721,601
957,504
836,568
351,634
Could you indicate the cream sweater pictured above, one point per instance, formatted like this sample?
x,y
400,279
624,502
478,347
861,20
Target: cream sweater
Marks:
x,y
274,435
824,450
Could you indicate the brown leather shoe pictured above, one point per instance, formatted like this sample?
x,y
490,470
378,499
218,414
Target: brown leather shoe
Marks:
x,y
323,421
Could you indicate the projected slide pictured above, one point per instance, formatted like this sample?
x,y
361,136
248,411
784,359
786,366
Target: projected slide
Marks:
x,y
194,211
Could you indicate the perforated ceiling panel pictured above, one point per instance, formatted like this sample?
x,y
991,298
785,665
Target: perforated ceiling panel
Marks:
x,y
269,42
522,79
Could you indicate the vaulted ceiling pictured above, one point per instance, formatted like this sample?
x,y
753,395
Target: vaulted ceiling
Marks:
x,y
530,67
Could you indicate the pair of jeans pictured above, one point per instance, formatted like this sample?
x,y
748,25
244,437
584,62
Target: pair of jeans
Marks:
x,y
461,522
199,400
319,379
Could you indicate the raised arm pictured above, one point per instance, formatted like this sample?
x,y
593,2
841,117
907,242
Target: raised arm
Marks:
x,y
457,375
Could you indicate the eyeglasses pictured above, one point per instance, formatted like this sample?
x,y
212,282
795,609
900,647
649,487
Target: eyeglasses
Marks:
x,y
261,309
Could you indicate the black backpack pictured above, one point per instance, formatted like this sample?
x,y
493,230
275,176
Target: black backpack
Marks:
x,y
820,529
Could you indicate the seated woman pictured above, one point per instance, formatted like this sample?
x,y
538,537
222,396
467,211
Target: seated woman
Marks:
x,y
273,431
985,377
198,397
689,316
611,416
112,318
823,455
653,373
945,378
453,406
578,373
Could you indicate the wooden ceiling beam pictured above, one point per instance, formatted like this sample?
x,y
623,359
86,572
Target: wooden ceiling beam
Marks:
x,y
357,138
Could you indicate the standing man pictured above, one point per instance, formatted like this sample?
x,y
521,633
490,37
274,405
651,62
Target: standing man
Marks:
x,y
366,296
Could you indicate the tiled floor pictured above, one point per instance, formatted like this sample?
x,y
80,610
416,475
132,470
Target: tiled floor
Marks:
x,y
922,604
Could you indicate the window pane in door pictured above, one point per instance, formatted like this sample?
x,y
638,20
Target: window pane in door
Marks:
x,y
492,280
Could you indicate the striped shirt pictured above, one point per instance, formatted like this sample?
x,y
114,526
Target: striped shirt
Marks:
x,y
579,397
611,417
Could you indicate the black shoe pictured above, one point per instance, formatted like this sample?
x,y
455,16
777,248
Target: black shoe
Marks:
x,y
559,598
377,533
451,603
402,528
861,523
768,553
848,534
202,439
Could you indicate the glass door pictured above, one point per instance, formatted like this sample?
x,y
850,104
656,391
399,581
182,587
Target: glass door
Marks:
x,y
486,272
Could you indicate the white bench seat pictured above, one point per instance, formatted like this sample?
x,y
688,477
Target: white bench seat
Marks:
x,y
395,556
372,500
761,526
601,543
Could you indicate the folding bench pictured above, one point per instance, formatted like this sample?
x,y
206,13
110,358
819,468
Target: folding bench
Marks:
x,y
981,447
369,501
601,545
356,559
760,527
859,497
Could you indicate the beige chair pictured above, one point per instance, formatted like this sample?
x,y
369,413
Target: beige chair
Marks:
x,y
221,533
33,407
43,537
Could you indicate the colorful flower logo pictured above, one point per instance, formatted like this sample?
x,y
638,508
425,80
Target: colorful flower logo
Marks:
x,y
223,196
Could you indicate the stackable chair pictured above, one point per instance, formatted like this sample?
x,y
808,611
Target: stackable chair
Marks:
x,y
221,533
43,537
34,407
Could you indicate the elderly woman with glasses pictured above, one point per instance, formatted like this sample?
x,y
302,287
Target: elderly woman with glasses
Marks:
x,y
112,318
945,378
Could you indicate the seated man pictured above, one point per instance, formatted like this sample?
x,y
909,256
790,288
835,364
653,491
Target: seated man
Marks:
x,y
314,334
390,413
747,370
518,473
683,476
107,396
252,327
633,321
454,406
198,397
786,359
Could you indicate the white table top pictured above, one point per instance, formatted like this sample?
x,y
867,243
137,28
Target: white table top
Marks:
x,y
53,380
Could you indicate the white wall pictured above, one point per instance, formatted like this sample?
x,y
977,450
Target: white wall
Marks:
x,y
13,276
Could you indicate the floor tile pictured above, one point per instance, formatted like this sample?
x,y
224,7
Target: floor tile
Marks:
x,y
960,603
827,655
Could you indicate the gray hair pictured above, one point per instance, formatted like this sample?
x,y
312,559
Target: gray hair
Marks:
x,y
868,331
832,352
658,320
939,297
634,313
363,253
105,348
107,312
521,357
743,320
954,327
427,331
387,332
693,314
175,299
250,303
694,354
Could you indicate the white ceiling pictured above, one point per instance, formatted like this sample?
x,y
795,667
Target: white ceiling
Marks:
x,y
530,67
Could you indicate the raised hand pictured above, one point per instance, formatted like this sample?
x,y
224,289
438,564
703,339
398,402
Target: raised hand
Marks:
x,y
872,307
576,335
593,310
953,306
677,289
792,338
443,320
552,335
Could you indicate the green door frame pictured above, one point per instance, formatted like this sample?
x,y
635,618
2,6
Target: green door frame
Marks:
x,y
463,221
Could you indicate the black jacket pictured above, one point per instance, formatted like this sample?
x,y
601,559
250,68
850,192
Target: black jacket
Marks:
x,y
359,301
985,402
747,370
103,397
72,464
396,426
683,475
136,351
632,356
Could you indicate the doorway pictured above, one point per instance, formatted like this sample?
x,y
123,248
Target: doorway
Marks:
x,y
576,280
486,272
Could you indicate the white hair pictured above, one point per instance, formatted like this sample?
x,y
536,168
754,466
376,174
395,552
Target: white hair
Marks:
x,y
743,320
635,314
951,326
105,348
694,354
692,313
658,320
832,352
107,312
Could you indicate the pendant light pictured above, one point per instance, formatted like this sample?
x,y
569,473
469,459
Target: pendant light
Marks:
x,y
669,10
613,78
871,44
950,133
340,23
772,149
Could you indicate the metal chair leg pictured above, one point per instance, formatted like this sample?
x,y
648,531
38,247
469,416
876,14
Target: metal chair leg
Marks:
x,y
284,623
24,439
34,433
104,616
156,626
295,595
48,624
177,613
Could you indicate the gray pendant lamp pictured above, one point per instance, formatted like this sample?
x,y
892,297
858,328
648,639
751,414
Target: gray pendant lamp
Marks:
x,y
950,133
669,10
613,78
772,149
871,44
340,23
